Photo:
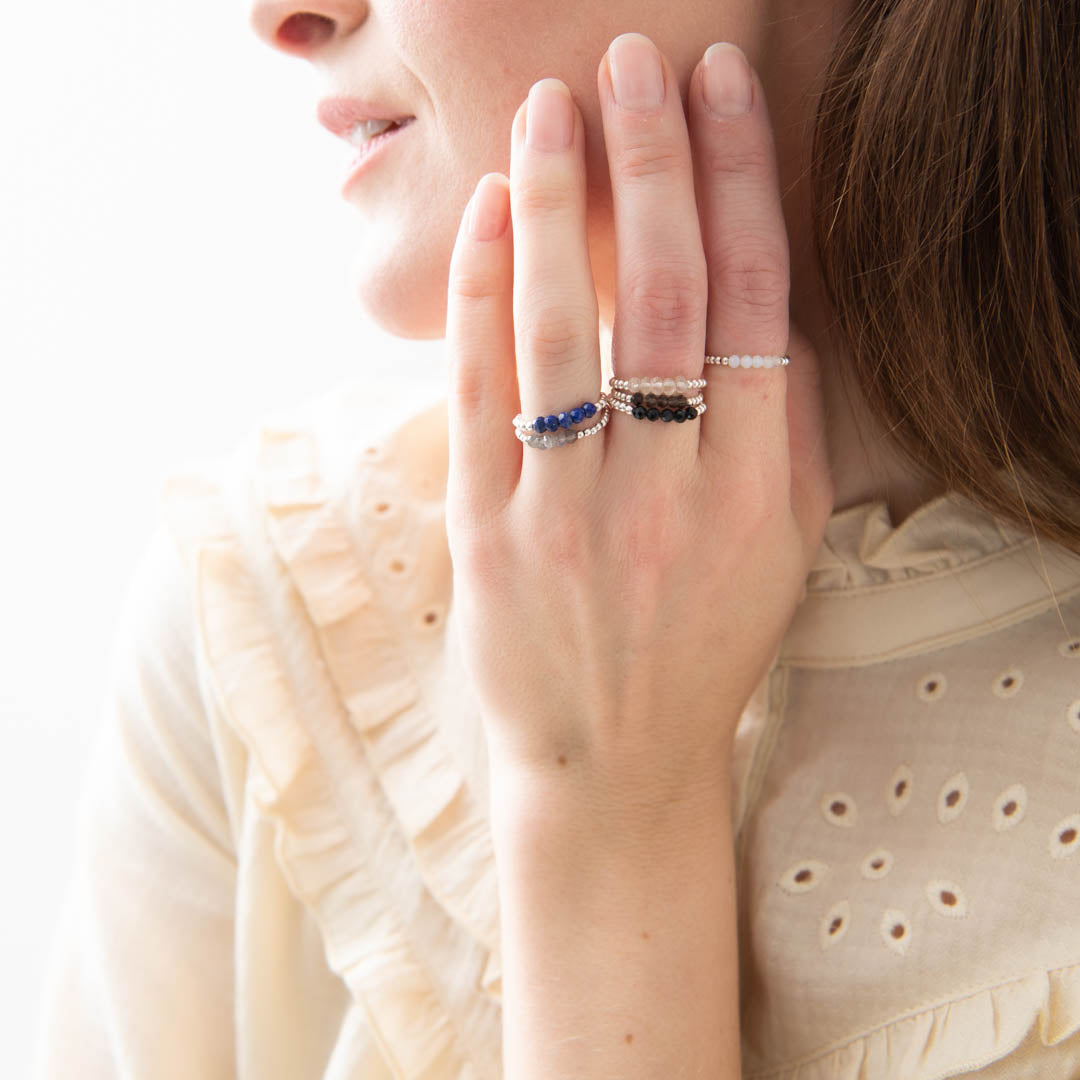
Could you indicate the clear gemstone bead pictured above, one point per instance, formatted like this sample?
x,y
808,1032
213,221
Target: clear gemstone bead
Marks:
x,y
635,385
758,361
669,386
682,384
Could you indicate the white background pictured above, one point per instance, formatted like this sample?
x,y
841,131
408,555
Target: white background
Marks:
x,y
174,257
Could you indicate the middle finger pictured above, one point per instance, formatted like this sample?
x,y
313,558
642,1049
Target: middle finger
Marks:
x,y
661,287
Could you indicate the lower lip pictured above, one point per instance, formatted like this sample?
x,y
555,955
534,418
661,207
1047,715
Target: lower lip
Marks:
x,y
371,150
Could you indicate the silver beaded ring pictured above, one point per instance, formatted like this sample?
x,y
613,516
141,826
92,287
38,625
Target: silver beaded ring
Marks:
x,y
547,432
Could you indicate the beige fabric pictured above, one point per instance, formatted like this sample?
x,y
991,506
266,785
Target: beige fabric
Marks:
x,y
285,866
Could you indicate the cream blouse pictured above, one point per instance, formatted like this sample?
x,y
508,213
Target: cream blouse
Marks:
x,y
285,869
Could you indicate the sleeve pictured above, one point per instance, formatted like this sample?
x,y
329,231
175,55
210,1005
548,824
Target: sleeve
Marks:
x,y
140,977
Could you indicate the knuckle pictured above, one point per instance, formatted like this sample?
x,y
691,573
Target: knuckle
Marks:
x,y
541,198
754,275
641,158
667,304
470,285
551,337
721,159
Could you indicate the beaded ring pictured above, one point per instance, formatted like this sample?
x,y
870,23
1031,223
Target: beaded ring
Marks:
x,y
749,361
643,397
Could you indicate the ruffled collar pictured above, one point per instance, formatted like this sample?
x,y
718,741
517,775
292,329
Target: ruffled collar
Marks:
x,y
862,546
949,571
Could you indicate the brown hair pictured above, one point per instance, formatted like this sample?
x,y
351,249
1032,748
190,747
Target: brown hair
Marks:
x,y
946,205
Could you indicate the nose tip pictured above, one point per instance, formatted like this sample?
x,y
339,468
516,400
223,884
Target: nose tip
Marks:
x,y
283,26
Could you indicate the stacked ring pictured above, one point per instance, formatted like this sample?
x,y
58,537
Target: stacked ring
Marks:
x,y
643,397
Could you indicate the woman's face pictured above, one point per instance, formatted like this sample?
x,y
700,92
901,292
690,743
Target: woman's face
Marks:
x,y
462,68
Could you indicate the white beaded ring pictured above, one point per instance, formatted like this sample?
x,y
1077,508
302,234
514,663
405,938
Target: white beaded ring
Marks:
x,y
749,361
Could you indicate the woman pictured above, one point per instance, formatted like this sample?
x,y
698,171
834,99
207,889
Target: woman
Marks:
x,y
743,744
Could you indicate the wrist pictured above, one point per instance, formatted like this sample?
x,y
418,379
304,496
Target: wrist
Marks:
x,y
593,815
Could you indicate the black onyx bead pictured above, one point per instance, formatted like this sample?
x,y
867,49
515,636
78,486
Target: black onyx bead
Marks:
x,y
667,416
653,413
637,398
639,411
680,416
691,412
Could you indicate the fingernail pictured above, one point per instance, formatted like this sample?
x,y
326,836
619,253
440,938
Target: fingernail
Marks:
x,y
490,213
726,79
549,118
637,77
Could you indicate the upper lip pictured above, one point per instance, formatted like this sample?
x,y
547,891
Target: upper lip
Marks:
x,y
341,114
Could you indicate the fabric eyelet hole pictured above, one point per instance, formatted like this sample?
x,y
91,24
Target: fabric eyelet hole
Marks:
x,y
952,798
1065,837
835,924
372,451
1070,648
898,791
1010,807
838,808
896,931
931,686
876,864
431,618
1008,683
381,509
397,566
1072,715
947,898
803,876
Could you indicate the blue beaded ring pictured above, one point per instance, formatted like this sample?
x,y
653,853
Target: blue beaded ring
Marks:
x,y
547,432
585,411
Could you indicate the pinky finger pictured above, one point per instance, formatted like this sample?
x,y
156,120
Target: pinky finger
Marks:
x,y
484,452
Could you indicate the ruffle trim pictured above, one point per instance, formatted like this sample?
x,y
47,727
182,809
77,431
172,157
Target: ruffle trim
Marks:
x,y
861,546
376,830
953,1038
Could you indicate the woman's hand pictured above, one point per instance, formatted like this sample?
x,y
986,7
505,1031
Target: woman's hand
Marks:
x,y
620,598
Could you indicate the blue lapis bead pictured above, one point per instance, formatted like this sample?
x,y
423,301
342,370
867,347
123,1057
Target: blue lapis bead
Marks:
x,y
539,425
589,409
552,422
564,420
577,415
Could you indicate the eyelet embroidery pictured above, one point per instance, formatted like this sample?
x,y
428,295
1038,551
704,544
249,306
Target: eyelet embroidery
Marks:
x,y
373,453
1072,714
838,808
803,876
431,618
1070,648
876,864
381,508
952,798
1008,683
835,924
1009,807
397,566
931,686
1065,837
947,898
898,792
896,931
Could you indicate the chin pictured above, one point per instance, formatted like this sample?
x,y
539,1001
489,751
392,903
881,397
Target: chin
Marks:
x,y
404,297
